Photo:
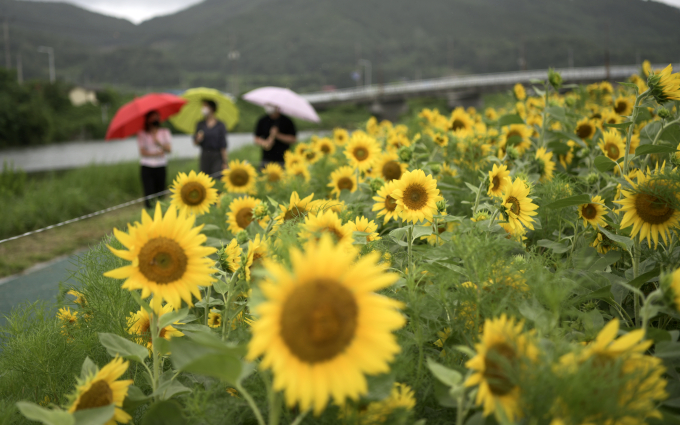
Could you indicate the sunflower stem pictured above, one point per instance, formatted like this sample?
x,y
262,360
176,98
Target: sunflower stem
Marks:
x,y
633,118
410,250
460,412
545,115
251,403
300,418
479,194
493,217
636,272
207,303
227,307
647,309
154,349
274,406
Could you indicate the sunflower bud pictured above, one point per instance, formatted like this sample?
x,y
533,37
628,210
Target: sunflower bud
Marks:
x,y
670,284
441,206
376,184
405,154
663,113
555,79
436,169
261,211
592,178
242,237
570,101
583,152
513,153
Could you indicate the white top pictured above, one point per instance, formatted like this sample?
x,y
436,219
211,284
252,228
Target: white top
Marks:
x,y
145,140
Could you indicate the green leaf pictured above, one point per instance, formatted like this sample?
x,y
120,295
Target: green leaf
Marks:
x,y
88,368
220,286
556,247
212,302
671,134
604,164
96,416
119,346
474,189
623,125
169,389
210,228
667,350
568,202
510,119
379,387
172,317
604,293
420,231
648,149
559,148
630,85
644,278
445,375
188,357
625,241
46,416
166,412
135,398
399,235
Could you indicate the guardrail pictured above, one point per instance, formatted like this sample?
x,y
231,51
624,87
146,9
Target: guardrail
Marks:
x,y
472,81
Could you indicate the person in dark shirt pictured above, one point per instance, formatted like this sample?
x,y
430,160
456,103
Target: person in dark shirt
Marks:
x,y
211,136
274,133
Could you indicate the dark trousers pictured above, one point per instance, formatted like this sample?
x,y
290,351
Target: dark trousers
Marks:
x,y
153,181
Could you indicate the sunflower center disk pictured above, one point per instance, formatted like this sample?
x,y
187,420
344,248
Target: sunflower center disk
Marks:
x,y
495,183
193,193
99,395
319,320
360,153
612,150
653,210
391,170
584,131
497,358
273,177
244,217
589,212
620,107
162,260
239,177
345,183
325,149
457,125
294,212
515,208
390,203
415,197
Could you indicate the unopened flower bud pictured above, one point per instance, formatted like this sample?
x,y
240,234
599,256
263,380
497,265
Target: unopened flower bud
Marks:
x,y
555,79
261,211
583,152
376,184
405,153
436,169
513,153
663,113
592,178
242,237
441,206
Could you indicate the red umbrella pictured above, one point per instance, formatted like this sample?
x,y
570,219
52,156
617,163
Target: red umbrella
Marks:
x,y
129,119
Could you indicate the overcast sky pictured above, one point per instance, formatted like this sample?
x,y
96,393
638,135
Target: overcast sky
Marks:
x,y
141,10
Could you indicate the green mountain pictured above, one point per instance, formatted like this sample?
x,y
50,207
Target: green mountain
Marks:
x,y
309,43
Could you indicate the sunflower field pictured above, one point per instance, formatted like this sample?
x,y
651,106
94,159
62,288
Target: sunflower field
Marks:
x,y
517,265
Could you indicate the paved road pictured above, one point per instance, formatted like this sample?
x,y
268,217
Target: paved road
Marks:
x,y
39,283
79,154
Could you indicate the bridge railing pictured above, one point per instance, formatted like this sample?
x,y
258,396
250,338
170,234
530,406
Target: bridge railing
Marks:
x,y
472,81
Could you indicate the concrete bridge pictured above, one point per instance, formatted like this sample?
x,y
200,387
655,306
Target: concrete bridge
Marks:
x,y
389,100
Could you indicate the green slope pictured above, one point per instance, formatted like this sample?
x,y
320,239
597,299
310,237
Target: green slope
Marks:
x,y
308,43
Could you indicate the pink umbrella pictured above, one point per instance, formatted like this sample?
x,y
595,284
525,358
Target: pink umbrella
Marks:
x,y
288,102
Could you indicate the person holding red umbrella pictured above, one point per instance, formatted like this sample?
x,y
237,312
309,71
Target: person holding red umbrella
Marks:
x,y
154,143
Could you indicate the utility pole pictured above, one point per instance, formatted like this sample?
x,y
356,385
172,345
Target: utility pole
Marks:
x,y
20,69
8,59
50,54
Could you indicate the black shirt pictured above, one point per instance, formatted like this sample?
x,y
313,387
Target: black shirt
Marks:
x,y
215,138
279,147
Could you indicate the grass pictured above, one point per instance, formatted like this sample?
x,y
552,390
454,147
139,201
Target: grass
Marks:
x,y
40,200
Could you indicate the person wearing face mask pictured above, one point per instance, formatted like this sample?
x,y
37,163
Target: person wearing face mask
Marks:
x,y
211,136
274,133
154,143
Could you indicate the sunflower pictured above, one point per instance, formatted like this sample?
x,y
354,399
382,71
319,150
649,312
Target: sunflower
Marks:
x,y
68,319
515,233
385,204
340,136
240,213
397,141
168,259
230,256
328,222
623,106
672,286
416,195
440,139
401,399
322,327
504,345
139,325
664,85
567,158
362,151
602,243
325,146
460,122
311,155
593,213
518,206
292,159
240,177
362,224
214,318
546,164
649,215
388,167
257,251
611,117
299,170
585,128
295,209
102,388
612,145
344,178
491,114
435,238
193,193
646,68
519,92
517,136
272,173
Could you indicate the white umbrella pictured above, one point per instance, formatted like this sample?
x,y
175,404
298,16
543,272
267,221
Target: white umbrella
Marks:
x,y
288,102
